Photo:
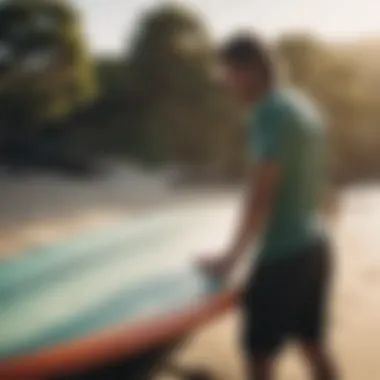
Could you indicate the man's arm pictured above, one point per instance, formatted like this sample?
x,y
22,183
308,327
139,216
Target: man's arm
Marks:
x,y
268,150
259,199
330,206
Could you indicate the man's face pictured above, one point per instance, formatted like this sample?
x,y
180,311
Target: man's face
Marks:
x,y
243,82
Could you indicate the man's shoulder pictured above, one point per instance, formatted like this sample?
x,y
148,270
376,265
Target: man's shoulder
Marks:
x,y
276,109
300,105
287,106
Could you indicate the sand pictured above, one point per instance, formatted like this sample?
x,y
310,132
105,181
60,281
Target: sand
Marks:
x,y
355,305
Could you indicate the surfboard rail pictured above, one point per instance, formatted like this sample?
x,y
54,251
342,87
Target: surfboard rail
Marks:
x,y
121,342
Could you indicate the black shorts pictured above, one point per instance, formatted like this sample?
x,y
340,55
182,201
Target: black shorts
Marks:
x,y
287,299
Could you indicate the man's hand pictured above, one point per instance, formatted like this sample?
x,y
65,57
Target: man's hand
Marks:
x,y
259,199
218,266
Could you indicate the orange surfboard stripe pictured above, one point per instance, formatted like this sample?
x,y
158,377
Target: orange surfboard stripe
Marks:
x,y
115,344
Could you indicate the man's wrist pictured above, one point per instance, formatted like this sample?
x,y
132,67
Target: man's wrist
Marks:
x,y
233,254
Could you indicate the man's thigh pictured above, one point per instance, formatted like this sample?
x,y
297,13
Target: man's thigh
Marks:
x,y
287,299
266,309
310,317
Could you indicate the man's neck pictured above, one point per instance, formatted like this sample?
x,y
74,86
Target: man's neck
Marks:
x,y
260,94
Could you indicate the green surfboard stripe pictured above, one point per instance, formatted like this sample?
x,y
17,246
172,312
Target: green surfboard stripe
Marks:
x,y
56,256
163,294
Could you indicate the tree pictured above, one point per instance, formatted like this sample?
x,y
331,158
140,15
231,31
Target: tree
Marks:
x,y
187,117
300,54
45,67
342,81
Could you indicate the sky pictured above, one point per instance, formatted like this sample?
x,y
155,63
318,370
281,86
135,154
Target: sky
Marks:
x,y
109,24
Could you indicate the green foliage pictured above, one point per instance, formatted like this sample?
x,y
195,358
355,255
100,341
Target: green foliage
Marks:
x,y
342,85
159,101
43,58
179,113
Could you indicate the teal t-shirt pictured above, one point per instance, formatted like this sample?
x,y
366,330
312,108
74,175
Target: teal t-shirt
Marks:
x,y
288,129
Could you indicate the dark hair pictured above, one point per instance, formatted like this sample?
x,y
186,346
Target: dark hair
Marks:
x,y
244,50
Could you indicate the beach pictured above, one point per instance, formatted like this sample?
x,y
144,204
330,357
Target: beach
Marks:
x,y
355,306
41,210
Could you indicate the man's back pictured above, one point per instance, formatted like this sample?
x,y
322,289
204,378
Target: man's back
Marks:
x,y
288,129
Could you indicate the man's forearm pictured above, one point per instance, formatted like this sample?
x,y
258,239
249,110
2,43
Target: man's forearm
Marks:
x,y
254,215
330,206
257,206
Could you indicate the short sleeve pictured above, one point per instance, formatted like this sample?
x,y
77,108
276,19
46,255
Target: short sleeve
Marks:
x,y
267,136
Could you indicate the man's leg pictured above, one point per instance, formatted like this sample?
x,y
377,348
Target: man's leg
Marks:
x,y
312,322
264,314
320,361
260,367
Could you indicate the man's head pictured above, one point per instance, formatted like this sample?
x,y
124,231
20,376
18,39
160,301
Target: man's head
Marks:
x,y
247,66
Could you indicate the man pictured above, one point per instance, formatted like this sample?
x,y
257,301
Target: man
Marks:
x,y
286,293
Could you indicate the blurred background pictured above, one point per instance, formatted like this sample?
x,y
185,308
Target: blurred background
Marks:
x,y
110,107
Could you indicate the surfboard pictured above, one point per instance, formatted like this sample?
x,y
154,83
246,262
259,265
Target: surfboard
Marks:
x,y
98,297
